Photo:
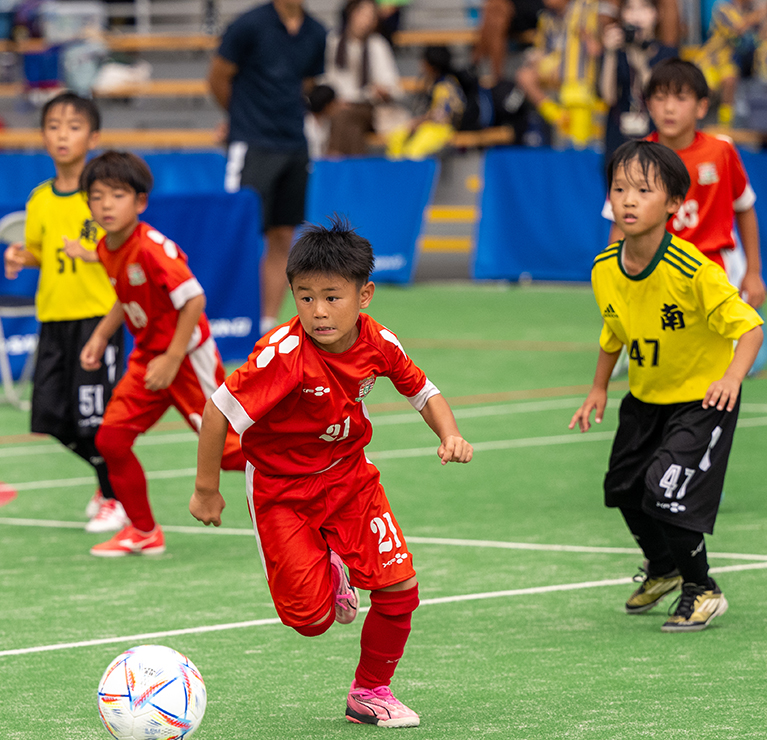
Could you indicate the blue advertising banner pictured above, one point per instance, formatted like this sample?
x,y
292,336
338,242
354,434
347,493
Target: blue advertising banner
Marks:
x,y
384,200
541,215
221,235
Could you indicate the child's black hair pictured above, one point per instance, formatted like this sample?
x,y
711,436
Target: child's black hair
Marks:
x,y
117,169
440,59
665,163
335,250
320,98
83,106
675,75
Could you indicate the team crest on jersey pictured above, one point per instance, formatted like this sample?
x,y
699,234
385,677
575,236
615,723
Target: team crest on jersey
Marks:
x,y
609,312
136,274
707,173
671,317
89,233
366,386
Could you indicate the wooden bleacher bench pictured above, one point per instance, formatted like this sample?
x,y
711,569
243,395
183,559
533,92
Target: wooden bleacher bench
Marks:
x,y
31,138
182,88
493,136
135,42
171,88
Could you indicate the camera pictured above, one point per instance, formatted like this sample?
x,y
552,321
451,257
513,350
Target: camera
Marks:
x,y
630,33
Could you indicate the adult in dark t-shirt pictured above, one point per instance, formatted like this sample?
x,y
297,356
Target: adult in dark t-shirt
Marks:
x,y
257,76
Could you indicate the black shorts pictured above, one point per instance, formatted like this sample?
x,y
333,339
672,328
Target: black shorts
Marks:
x,y
279,177
67,401
669,461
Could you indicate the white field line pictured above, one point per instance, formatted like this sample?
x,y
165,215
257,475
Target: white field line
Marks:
x,y
378,420
383,420
504,444
147,636
444,541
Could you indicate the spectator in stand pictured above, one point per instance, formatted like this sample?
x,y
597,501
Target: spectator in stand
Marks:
x,y
502,19
559,75
360,67
630,52
669,28
733,31
429,132
266,57
321,103
390,15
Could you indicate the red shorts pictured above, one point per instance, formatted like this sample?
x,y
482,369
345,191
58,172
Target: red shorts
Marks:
x,y
296,520
134,407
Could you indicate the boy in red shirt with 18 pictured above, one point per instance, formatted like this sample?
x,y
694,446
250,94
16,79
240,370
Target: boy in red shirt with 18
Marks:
x,y
175,361
315,500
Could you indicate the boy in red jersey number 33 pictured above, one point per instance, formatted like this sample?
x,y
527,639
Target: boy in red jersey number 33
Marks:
x,y
315,500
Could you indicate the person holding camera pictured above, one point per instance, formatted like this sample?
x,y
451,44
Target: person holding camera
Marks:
x,y
630,52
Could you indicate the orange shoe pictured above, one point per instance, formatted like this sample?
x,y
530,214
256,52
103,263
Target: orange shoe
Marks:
x,y
129,541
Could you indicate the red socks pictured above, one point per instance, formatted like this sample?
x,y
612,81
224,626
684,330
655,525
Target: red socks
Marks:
x,y
126,474
384,634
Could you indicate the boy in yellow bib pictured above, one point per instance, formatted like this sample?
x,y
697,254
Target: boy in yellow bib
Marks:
x,y
72,296
678,316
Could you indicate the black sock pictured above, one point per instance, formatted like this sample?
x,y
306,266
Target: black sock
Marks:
x,y
86,449
689,552
649,536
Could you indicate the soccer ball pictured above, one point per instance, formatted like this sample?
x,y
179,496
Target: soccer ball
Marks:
x,y
151,692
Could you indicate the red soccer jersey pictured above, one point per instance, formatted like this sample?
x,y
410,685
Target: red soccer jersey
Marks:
x,y
719,188
153,282
299,409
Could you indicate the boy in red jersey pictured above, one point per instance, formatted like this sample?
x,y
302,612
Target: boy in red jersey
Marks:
x,y
175,361
315,500
677,98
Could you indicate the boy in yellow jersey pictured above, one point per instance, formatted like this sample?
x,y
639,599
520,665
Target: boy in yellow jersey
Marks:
x,y
678,316
72,296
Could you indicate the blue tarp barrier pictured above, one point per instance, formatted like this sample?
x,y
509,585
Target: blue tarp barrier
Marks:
x,y
384,200
221,234
193,172
540,214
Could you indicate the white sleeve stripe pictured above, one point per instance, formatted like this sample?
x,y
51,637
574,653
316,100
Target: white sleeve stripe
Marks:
x,y
185,292
418,401
230,407
746,200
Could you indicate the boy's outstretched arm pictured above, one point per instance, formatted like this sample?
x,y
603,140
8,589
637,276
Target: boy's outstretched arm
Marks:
x,y
438,415
73,249
752,286
162,370
207,503
93,351
724,392
597,398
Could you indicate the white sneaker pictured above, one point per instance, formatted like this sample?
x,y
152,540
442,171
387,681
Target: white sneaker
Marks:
x,y
110,517
94,504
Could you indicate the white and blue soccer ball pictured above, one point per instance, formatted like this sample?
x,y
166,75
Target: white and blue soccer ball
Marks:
x,y
151,692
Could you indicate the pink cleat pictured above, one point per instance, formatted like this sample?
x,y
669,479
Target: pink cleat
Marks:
x,y
378,707
347,600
